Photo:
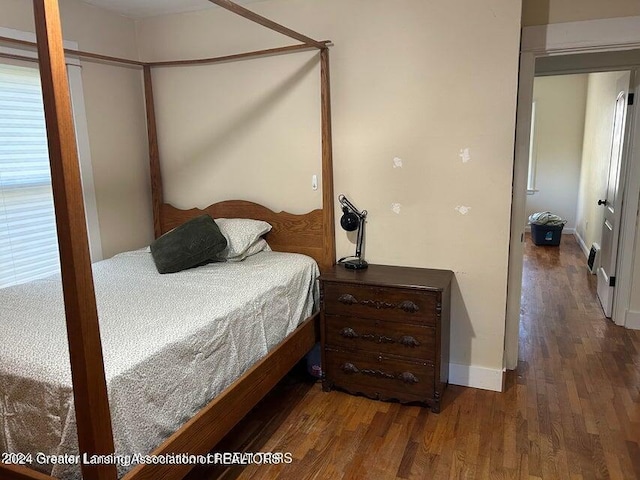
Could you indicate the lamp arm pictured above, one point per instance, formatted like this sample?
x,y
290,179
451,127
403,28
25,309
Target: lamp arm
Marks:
x,y
344,201
360,236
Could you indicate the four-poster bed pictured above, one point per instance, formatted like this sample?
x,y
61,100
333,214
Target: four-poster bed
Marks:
x,y
311,234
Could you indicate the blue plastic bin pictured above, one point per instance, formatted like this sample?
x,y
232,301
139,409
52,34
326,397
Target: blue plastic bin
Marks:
x,y
546,234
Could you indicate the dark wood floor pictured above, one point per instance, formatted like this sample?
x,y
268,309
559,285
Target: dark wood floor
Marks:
x,y
570,411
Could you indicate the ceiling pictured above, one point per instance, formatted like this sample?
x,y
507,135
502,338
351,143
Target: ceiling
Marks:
x,y
152,8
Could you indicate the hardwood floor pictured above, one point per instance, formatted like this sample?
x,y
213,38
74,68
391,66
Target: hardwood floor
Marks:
x,y
571,411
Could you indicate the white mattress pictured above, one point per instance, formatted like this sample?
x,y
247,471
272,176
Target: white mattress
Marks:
x,y
170,344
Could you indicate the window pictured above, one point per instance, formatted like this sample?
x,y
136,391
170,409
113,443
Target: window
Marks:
x,y
28,240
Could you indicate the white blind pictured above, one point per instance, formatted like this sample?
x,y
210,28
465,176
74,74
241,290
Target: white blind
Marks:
x,y
28,241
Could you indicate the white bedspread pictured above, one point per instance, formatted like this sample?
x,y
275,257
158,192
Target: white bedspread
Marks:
x,y
171,343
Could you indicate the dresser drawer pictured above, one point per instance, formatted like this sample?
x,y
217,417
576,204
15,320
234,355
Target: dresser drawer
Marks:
x,y
379,376
390,304
384,337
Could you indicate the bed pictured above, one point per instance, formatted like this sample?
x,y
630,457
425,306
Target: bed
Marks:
x,y
171,343
311,234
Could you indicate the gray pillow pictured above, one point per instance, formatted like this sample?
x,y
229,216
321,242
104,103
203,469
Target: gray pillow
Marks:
x,y
194,243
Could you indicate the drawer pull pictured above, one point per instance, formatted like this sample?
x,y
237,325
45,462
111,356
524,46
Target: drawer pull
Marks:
x,y
377,304
409,341
408,377
377,338
377,373
408,306
349,368
347,299
348,333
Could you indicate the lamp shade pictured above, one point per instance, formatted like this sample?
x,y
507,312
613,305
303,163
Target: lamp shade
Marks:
x,y
349,221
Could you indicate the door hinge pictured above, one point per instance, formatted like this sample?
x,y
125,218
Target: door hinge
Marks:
x,y
630,99
612,281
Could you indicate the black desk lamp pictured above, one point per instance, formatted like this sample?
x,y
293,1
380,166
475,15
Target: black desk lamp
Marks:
x,y
351,219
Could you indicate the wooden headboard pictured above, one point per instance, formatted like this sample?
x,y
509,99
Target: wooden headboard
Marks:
x,y
290,233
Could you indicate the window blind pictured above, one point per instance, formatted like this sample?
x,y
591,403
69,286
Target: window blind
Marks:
x,y
28,240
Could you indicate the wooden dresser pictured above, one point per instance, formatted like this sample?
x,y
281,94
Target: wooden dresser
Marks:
x,y
385,332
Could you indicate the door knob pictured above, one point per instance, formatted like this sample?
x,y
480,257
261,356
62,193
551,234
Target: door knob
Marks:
x,y
602,202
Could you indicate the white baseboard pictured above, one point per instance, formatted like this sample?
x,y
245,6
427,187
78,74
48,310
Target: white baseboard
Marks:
x,y
476,377
632,321
583,246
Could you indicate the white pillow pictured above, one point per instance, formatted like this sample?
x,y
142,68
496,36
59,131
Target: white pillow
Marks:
x,y
243,237
260,246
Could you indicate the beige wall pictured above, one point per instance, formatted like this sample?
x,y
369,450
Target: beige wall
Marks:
x,y
414,79
245,131
601,97
115,117
542,12
559,130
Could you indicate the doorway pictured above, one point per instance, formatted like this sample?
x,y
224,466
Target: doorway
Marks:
x,y
577,137
579,47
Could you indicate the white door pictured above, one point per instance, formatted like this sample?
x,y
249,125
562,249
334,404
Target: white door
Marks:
x,y
613,201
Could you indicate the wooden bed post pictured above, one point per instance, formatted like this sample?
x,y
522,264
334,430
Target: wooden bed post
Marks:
x,y
154,155
265,22
93,418
327,165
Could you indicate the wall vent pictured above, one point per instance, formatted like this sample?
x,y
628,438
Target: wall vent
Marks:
x,y
594,258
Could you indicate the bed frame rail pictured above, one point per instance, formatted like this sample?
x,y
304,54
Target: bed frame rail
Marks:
x,y
18,472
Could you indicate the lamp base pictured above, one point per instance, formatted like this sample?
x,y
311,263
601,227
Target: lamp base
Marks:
x,y
356,264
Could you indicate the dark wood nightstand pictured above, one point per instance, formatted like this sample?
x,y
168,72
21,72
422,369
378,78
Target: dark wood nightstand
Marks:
x,y
385,332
